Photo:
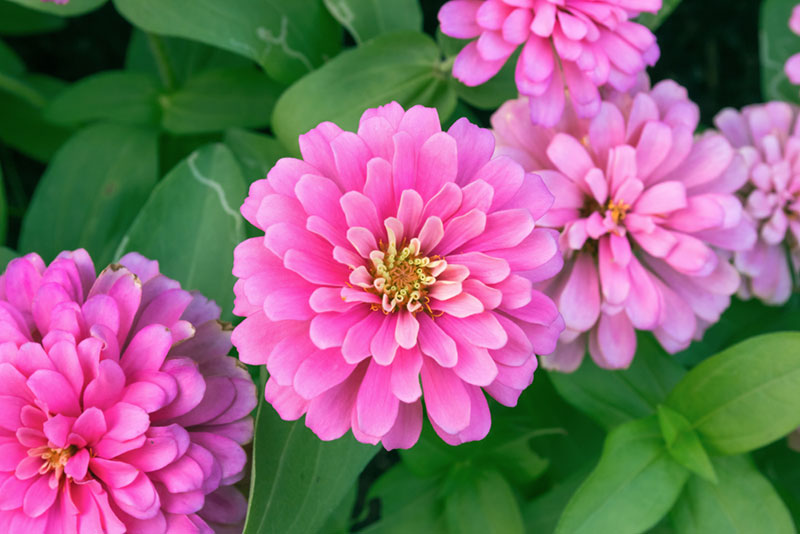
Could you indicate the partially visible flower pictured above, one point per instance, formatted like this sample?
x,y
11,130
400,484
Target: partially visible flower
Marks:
x,y
390,254
768,137
643,208
792,67
583,44
120,410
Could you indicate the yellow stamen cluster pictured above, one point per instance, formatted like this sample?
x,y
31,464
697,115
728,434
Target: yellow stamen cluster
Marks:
x,y
402,277
618,210
54,459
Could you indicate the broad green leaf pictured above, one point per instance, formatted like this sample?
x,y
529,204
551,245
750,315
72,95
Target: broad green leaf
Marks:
x,y
118,96
542,513
631,489
176,148
776,44
491,94
23,126
18,20
10,63
653,21
781,465
191,224
6,255
339,520
91,191
743,501
365,19
401,66
288,39
257,153
482,502
174,60
744,397
408,503
614,397
298,479
70,9
213,100
683,443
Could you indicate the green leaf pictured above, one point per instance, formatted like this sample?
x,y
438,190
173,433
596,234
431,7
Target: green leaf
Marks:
x,y
781,465
174,60
298,479
6,255
213,100
542,513
744,397
614,397
18,20
365,19
776,44
743,501
3,209
91,191
408,503
653,21
257,153
491,94
10,63
683,443
118,96
23,126
631,489
70,9
288,39
191,224
481,501
400,66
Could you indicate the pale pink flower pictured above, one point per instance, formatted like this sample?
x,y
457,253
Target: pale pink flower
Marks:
x,y
119,409
390,254
792,66
768,137
583,44
642,207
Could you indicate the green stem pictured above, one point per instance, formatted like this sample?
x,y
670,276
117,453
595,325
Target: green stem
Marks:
x,y
446,65
159,52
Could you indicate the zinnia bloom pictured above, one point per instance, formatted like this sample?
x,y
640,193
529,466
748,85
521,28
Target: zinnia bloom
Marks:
x,y
792,67
583,44
768,137
390,254
119,409
643,208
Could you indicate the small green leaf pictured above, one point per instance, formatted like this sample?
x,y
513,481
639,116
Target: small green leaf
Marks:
x,y
744,397
631,489
776,44
399,66
120,96
91,191
481,502
653,21
298,479
18,20
365,19
214,100
288,39
257,153
70,9
742,501
683,443
191,224
614,397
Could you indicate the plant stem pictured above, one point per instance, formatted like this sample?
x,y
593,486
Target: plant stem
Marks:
x,y
159,52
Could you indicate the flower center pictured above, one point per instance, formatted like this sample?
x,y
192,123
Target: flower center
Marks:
x,y
403,277
617,210
54,459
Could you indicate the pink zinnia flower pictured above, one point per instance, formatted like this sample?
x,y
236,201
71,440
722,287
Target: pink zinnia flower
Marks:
x,y
390,254
792,66
641,206
768,137
120,411
583,44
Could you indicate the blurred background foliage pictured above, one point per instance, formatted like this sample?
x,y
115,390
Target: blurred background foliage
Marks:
x,y
139,124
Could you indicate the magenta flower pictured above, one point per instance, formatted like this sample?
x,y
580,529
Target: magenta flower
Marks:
x,y
768,137
583,44
642,207
792,66
119,409
390,254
